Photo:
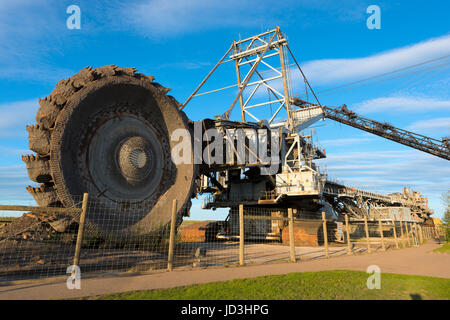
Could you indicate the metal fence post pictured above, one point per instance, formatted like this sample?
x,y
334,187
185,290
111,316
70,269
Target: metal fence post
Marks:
x,y
383,246
366,228
349,244
291,235
241,234
395,234
76,258
172,236
325,234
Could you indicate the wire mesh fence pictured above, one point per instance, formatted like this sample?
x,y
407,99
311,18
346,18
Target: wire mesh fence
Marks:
x,y
101,236
383,234
31,245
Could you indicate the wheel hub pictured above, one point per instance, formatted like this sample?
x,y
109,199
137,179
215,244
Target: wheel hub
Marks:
x,y
126,157
135,159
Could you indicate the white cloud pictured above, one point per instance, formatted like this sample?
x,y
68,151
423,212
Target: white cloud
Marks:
x,y
402,104
160,19
13,180
15,152
335,70
441,125
188,65
14,116
388,171
30,32
344,142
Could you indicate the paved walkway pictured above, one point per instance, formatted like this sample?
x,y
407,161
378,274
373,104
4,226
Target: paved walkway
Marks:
x,y
412,261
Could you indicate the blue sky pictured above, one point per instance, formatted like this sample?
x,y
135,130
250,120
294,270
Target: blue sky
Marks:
x,y
179,41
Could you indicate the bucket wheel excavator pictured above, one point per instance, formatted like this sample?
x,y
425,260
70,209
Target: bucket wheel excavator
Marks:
x,y
107,131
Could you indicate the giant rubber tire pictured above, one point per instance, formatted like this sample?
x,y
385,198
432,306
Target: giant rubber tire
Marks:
x,y
60,125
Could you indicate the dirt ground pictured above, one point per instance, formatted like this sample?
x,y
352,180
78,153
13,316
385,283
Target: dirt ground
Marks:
x,y
414,261
38,259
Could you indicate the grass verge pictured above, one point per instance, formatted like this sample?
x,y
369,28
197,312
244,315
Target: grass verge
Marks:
x,y
445,248
323,285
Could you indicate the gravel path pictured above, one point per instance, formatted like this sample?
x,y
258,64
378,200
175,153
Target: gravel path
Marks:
x,y
412,261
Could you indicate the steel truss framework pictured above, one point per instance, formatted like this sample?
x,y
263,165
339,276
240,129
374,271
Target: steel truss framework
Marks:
x,y
264,57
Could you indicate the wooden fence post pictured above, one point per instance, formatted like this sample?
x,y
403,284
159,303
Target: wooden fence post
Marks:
x,y
407,233
291,235
325,234
420,234
411,229
349,244
366,228
395,234
76,258
402,235
383,247
416,235
172,235
241,234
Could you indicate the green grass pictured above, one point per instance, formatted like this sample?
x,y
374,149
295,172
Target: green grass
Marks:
x,y
445,248
324,285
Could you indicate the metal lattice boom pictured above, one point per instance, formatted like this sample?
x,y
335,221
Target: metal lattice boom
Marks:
x,y
417,141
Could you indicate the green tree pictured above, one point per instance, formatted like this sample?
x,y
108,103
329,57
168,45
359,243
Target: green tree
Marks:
x,y
446,220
